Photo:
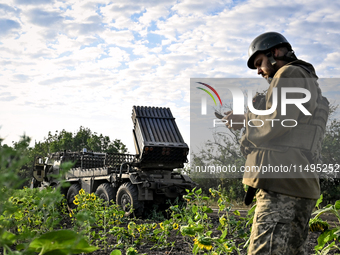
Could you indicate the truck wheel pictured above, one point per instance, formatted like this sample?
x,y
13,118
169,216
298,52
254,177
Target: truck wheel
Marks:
x,y
127,198
106,191
71,193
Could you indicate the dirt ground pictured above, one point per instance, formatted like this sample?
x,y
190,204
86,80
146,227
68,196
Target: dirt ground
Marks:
x,y
183,247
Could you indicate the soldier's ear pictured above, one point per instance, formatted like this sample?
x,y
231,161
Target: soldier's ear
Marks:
x,y
276,52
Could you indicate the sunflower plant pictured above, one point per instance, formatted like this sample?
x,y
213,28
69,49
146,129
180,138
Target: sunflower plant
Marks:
x,y
196,210
30,218
231,219
33,211
161,234
330,237
93,213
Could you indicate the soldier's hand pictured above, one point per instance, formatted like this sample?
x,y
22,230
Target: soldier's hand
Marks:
x,y
234,122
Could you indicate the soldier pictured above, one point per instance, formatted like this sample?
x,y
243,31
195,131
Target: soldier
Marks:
x,y
284,200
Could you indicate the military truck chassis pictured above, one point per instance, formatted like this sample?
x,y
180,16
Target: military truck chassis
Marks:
x,y
127,179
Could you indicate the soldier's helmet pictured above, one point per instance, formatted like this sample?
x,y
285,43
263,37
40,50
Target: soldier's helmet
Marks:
x,y
264,43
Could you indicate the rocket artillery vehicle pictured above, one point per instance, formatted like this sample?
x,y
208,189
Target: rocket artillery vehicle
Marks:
x,y
130,180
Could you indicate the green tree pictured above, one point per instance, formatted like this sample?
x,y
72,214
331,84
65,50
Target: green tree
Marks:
x,y
223,150
331,144
83,138
11,161
330,184
103,144
64,140
80,139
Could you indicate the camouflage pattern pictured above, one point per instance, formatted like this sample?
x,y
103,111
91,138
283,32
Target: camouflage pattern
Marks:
x,y
280,224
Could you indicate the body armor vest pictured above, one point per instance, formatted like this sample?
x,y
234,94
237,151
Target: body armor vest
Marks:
x,y
306,137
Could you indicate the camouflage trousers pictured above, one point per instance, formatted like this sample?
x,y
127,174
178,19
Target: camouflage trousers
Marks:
x,y
280,225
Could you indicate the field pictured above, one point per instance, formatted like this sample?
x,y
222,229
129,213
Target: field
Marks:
x,y
182,246
39,222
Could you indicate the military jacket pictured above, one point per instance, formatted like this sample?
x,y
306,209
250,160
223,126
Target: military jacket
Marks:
x,y
296,182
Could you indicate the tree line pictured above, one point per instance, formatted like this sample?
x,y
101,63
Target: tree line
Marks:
x,y
60,141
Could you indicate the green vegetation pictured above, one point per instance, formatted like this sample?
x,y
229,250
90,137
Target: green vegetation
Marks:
x,y
330,236
83,138
30,220
34,221
63,140
223,151
93,221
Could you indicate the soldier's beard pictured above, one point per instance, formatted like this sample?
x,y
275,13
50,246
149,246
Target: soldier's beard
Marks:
x,y
271,73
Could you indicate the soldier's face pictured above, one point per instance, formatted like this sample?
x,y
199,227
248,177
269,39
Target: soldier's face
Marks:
x,y
264,67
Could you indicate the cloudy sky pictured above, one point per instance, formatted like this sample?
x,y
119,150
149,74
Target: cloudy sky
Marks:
x,y
66,64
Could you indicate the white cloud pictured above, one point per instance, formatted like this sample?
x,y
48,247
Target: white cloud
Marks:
x,y
154,13
199,7
122,38
72,63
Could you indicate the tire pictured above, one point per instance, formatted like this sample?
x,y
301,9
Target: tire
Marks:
x,y
71,193
127,197
106,192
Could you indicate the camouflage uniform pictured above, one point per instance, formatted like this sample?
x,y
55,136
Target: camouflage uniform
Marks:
x,y
265,142
285,199
280,224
